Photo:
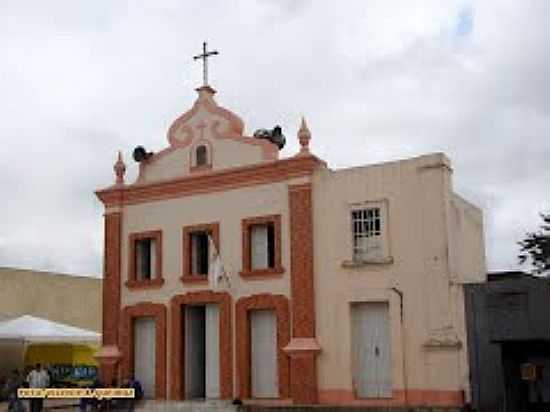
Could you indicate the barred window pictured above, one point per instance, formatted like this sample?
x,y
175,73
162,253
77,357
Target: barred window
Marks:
x,y
366,224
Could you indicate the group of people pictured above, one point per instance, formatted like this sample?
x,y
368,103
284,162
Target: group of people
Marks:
x,y
39,377
120,404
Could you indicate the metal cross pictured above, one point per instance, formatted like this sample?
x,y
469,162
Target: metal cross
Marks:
x,y
204,56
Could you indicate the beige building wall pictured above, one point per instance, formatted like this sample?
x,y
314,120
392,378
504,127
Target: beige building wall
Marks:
x,y
433,243
69,299
228,208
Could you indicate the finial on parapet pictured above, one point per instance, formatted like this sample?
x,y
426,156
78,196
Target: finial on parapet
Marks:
x,y
304,136
120,169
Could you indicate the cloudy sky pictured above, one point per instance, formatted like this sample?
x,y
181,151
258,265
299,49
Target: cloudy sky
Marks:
x,y
376,80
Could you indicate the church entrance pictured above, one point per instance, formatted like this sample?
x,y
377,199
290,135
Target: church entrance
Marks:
x,y
202,351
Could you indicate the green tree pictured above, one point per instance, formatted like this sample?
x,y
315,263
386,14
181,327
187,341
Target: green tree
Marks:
x,y
535,248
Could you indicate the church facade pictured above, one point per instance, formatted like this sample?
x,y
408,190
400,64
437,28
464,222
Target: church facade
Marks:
x,y
232,273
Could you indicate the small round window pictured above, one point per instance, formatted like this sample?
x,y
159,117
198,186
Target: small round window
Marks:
x,y
201,155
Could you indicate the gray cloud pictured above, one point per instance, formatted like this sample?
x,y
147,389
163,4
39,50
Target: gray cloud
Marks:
x,y
376,80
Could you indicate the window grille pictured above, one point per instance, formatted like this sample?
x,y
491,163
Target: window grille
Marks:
x,y
366,225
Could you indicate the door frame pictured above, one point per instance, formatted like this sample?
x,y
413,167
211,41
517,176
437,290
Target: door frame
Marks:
x,y
278,303
158,312
177,344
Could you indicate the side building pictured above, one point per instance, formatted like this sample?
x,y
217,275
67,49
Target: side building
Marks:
x,y
338,286
66,299
509,340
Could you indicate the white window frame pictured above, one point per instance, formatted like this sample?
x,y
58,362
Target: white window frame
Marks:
x,y
377,236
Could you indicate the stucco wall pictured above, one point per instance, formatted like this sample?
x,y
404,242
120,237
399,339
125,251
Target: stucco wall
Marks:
x,y
225,154
227,208
416,192
73,300
467,265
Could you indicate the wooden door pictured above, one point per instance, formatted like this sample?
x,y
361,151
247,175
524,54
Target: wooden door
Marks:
x,y
263,336
212,351
144,354
371,350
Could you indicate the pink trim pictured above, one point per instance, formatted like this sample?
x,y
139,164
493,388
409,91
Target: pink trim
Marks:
x,y
302,345
268,402
269,150
410,397
234,132
236,125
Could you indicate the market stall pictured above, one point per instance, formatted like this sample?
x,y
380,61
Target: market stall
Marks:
x,y
67,351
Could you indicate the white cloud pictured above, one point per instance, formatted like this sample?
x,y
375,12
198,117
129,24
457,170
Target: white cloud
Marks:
x,y
376,81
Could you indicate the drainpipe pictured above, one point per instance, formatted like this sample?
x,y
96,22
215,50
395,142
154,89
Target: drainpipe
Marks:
x,y
404,351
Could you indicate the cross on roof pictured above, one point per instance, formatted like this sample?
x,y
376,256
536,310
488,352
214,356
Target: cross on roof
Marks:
x,y
204,57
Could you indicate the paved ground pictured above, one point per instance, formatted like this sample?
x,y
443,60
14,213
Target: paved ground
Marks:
x,y
221,406
163,406
49,405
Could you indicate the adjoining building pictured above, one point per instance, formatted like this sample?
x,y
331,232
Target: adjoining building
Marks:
x,y
509,341
47,306
65,298
233,273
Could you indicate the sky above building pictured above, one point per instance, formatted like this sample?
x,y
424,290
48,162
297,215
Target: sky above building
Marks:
x,y
376,81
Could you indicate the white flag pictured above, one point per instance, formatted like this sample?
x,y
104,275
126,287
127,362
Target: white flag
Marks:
x,y
216,271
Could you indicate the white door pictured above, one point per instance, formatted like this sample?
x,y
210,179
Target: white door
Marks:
x,y
263,336
212,356
371,350
144,354
194,352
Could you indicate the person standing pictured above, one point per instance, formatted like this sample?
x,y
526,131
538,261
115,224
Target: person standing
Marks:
x,y
14,383
38,378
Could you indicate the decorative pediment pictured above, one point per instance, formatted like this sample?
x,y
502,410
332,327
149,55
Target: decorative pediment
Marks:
x,y
204,116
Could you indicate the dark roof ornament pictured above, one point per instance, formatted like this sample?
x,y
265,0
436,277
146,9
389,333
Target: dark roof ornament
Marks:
x,y
204,57
140,154
274,135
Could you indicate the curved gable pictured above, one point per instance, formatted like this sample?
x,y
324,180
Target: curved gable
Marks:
x,y
218,129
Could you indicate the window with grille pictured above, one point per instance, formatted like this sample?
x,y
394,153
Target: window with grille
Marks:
x,y
367,233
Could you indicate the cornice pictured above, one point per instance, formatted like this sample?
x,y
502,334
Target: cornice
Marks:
x,y
232,178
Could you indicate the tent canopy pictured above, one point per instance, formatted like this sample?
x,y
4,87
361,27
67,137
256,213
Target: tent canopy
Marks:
x,y
31,329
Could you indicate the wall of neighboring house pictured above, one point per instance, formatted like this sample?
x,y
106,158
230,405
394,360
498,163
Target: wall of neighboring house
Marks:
x,y
468,265
69,299
426,358
72,300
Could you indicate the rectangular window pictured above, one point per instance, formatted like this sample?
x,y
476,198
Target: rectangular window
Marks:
x,y
261,240
262,246
367,233
199,253
146,258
